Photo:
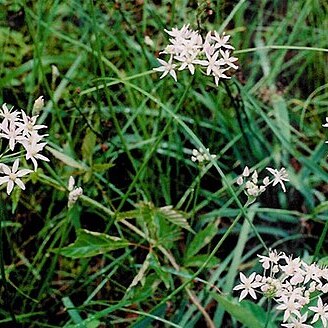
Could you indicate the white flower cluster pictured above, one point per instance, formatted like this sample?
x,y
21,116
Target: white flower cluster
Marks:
x,y
188,49
200,155
20,130
74,192
253,189
292,283
326,125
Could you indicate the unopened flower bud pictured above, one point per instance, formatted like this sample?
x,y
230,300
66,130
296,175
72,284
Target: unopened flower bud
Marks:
x,y
38,105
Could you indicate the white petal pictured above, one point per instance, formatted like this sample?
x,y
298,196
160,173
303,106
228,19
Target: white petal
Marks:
x,y
20,183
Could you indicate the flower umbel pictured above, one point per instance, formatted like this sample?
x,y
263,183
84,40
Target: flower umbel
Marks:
x,y
291,283
252,187
21,131
189,50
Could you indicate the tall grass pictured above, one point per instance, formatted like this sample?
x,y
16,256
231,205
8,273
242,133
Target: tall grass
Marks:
x,y
127,137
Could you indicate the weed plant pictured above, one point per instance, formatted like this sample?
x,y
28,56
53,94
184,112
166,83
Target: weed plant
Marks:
x,y
125,226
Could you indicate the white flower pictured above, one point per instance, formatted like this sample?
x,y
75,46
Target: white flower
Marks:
x,y
212,62
187,61
13,176
28,125
228,60
187,46
298,322
200,155
166,68
9,117
321,311
326,124
221,41
247,285
11,132
219,73
289,306
74,193
267,261
279,176
184,32
32,151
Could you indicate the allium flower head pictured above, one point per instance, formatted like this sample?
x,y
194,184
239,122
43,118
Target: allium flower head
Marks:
x,y
188,49
251,184
200,155
291,283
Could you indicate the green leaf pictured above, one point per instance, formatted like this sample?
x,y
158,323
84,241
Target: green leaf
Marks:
x,y
198,261
174,216
248,313
88,146
141,274
66,159
282,116
102,167
201,239
90,243
323,261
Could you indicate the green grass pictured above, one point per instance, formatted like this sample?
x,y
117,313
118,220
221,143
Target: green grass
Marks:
x,y
127,136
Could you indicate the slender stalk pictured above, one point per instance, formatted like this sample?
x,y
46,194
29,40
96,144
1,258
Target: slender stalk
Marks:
x,y
320,242
4,283
268,313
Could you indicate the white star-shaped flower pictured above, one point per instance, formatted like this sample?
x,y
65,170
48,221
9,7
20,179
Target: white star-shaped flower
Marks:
x,y
12,176
166,68
321,312
279,176
247,285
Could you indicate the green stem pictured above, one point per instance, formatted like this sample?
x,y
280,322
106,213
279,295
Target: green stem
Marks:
x,y
320,242
154,148
4,283
268,313
214,251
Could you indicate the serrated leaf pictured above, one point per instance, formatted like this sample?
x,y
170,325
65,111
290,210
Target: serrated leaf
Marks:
x,y
201,239
66,159
88,146
174,216
90,243
248,313
164,275
141,273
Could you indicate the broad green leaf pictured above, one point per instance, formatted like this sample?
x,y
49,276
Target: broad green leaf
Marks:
x,y
66,159
90,243
174,216
88,146
248,313
201,239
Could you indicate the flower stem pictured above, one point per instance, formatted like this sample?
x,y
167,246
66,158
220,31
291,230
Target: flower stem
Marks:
x,y
3,281
268,313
